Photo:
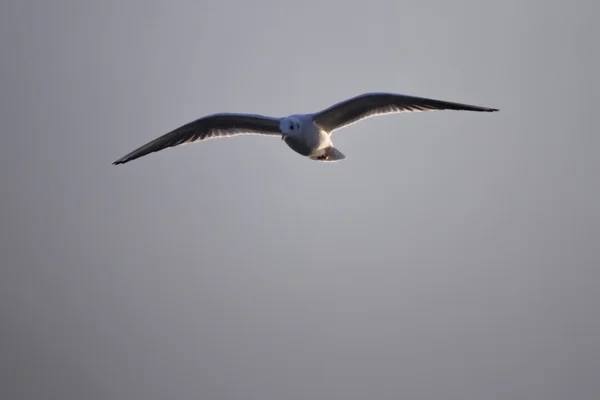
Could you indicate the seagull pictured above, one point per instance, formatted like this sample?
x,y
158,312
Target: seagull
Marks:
x,y
307,134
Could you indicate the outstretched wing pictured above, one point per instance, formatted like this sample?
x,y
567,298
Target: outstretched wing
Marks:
x,y
212,126
371,104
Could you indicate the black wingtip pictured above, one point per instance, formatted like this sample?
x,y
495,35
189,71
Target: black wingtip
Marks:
x,y
488,109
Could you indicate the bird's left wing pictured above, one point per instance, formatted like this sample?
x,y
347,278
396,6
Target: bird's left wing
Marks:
x,y
371,104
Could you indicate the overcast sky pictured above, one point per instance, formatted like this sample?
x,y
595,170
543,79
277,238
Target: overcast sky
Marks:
x,y
451,255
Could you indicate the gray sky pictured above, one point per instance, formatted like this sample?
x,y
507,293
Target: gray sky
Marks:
x,y
452,255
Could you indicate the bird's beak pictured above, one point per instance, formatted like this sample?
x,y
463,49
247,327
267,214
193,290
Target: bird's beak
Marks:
x,y
283,136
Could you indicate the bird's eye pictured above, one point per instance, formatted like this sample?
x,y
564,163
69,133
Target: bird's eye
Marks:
x,y
292,126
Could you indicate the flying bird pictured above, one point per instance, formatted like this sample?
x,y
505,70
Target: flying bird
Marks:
x,y
306,134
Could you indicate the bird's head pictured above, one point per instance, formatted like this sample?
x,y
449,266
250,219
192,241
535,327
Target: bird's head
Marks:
x,y
290,125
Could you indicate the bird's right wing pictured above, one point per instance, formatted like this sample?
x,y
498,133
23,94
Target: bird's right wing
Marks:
x,y
212,126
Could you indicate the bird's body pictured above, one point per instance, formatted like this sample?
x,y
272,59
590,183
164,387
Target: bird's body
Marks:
x,y
308,139
307,134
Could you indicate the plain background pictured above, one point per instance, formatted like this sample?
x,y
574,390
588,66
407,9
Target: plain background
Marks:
x,y
452,255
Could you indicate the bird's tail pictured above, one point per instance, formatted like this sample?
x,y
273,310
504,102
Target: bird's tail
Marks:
x,y
329,154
